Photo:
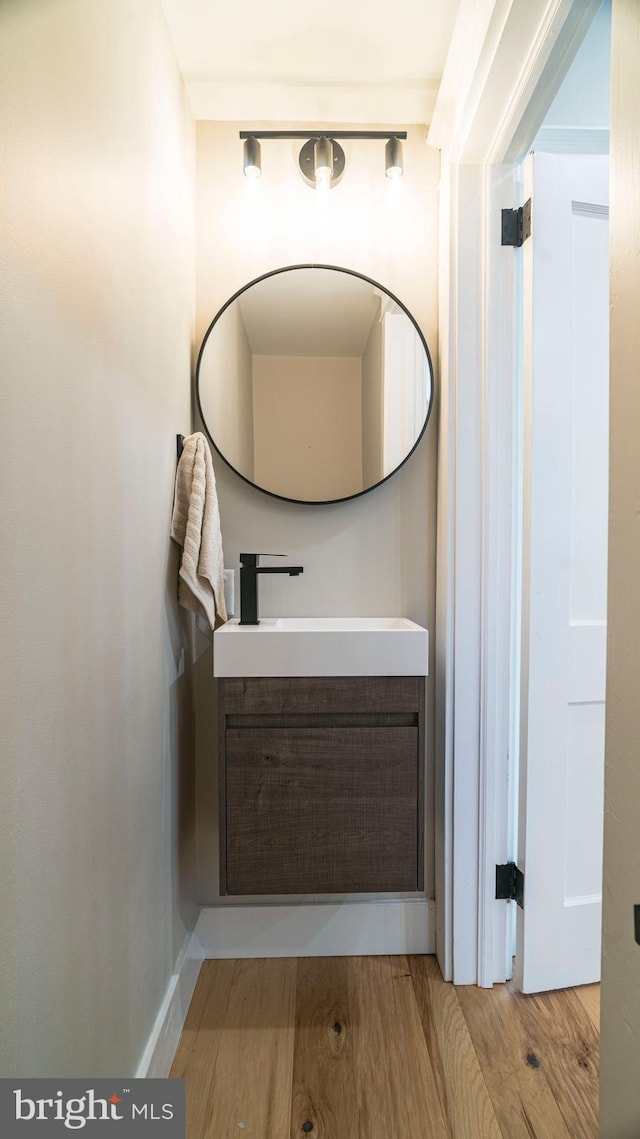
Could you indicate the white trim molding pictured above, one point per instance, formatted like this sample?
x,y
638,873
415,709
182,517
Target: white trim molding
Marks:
x,y
500,419
318,929
165,1035
505,65
572,140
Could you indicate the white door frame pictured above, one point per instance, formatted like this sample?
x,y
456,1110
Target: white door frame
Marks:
x,y
506,62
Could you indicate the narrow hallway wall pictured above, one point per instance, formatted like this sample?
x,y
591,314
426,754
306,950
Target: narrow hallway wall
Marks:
x,y
97,885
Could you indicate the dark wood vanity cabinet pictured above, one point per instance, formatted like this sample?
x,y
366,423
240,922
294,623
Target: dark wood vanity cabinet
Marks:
x,y
321,784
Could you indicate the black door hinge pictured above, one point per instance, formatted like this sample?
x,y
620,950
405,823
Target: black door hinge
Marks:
x,y
516,225
510,883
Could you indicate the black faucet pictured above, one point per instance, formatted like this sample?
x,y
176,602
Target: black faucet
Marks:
x,y
249,570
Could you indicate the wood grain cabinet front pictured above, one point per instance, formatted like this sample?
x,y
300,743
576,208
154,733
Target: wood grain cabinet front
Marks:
x,y
321,785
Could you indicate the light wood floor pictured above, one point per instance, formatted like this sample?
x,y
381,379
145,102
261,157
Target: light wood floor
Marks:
x,y
382,1048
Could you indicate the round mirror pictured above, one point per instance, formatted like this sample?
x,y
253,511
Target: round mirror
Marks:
x,y
314,383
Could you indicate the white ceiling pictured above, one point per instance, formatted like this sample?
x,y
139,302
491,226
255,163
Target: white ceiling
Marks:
x,y
338,61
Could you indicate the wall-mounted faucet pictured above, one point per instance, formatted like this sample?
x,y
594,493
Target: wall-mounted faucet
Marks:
x,y
249,570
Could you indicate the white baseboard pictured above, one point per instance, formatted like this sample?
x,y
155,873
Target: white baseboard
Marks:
x,y
318,929
165,1035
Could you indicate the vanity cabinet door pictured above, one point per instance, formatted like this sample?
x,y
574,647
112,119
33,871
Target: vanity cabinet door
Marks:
x,y
321,784
322,810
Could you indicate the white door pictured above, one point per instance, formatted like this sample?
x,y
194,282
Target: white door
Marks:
x,y
564,565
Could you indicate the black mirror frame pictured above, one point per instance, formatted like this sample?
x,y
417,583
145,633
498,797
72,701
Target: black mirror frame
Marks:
x,y
351,273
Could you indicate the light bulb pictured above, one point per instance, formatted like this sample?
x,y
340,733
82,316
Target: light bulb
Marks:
x,y
323,160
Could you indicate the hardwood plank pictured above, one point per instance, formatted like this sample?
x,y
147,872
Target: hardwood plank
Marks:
x,y
251,1084
523,1102
324,1091
206,1011
589,997
397,1093
561,1036
461,1084
200,1041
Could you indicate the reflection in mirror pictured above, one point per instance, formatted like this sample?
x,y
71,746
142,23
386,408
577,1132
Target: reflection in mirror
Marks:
x,y
314,383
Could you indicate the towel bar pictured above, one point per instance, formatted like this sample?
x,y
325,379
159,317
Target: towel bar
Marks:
x,y
179,444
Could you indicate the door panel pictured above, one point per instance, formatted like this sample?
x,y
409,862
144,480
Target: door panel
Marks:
x,y
564,571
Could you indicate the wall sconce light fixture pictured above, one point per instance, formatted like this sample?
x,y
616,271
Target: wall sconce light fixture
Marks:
x,y
321,158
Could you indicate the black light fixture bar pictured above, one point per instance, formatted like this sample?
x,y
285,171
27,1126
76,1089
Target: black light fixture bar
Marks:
x,y
327,133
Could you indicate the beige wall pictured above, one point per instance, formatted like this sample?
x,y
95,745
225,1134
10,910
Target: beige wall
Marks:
x,y
308,425
620,1045
372,406
376,554
96,843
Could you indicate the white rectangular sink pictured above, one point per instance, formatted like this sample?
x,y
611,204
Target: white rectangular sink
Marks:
x,y
321,646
